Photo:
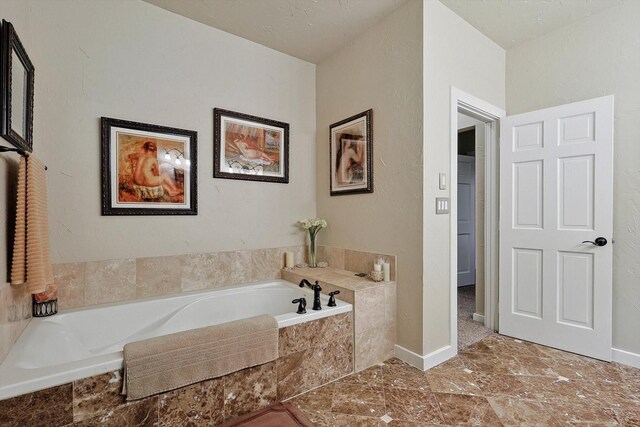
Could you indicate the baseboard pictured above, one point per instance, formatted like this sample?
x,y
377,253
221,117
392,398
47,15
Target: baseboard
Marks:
x,y
478,317
625,357
427,361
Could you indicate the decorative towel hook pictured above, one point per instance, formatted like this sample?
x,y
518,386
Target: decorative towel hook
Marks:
x,y
16,150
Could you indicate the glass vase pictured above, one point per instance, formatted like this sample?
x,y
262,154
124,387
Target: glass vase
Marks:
x,y
312,250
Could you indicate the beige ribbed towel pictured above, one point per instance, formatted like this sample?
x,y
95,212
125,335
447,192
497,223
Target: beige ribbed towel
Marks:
x,y
31,264
172,361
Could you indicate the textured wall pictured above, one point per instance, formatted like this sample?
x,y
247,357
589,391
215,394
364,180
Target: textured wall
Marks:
x,y
135,61
451,45
381,69
593,57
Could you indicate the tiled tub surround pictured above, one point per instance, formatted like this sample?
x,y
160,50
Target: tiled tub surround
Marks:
x,y
353,260
88,283
15,313
310,354
82,284
84,342
374,307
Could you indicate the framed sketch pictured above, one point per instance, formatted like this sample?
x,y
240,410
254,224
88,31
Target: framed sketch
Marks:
x,y
18,76
351,154
148,169
249,147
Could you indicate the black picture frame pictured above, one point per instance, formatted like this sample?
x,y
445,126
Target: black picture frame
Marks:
x,y
357,129
163,138
240,166
9,45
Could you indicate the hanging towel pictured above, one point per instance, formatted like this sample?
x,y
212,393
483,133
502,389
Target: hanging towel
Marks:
x,y
164,363
31,265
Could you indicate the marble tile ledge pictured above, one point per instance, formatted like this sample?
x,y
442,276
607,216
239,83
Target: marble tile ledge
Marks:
x,y
333,276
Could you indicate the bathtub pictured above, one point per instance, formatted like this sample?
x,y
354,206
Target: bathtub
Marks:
x,y
80,343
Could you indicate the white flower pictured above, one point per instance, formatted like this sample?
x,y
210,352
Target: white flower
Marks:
x,y
313,223
305,223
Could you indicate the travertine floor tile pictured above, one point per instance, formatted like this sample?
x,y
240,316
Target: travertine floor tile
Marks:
x,y
319,399
498,381
342,420
628,418
522,413
572,414
412,405
370,376
396,375
461,382
356,399
464,410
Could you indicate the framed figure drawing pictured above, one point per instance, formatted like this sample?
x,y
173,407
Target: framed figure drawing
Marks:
x,y
249,147
351,154
148,169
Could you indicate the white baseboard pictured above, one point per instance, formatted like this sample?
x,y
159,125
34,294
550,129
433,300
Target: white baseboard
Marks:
x,y
478,317
625,357
427,361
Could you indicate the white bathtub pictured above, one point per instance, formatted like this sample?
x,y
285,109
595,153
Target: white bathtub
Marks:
x,y
80,343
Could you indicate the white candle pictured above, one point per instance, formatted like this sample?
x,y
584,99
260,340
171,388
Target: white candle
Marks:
x,y
386,267
377,267
288,259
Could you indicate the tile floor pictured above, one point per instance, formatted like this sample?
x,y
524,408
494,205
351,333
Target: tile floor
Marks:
x,y
497,381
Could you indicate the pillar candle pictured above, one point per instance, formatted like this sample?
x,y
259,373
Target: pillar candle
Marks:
x,y
288,259
386,268
377,267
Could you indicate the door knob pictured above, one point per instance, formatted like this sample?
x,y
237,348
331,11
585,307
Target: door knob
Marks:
x,y
600,241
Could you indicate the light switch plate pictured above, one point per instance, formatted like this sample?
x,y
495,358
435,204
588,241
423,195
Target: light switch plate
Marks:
x,y
442,181
442,205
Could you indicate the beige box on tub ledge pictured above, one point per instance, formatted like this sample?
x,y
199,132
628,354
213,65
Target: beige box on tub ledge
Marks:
x,y
374,309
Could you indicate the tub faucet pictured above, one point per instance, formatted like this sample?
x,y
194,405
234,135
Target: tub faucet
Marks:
x,y
316,292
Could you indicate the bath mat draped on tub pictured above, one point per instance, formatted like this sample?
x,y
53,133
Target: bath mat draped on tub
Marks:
x,y
172,361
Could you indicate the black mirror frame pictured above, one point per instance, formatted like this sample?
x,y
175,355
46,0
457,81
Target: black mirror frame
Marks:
x,y
11,42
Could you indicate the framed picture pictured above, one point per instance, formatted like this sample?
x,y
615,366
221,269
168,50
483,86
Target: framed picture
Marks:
x,y
249,147
351,154
148,169
18,76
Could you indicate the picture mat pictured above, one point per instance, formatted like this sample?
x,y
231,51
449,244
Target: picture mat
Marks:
x,y
223,143
356,127
113,153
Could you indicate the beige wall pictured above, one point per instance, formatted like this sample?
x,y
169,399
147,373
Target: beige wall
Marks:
x,y
455,54
134,61
381,69
593,57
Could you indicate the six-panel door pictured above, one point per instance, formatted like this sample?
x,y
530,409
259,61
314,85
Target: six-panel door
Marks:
x,y
556,183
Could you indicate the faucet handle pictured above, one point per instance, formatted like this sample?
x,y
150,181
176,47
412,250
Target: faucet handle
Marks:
x,y
302,305
332,298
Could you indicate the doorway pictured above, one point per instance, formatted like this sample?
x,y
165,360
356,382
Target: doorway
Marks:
x,y
488,117
470,233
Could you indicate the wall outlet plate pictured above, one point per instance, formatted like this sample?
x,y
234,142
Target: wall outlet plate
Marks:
x,y
442,205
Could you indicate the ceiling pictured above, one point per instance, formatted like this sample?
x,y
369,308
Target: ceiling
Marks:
x,y
307,29
511,22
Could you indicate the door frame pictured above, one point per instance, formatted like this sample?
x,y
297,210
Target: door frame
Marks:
x,y
489,114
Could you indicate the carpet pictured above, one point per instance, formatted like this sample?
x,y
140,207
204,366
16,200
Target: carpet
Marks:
x,y
276,415
469,331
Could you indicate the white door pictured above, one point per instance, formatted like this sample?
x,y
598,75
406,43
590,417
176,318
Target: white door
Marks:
x,y
466,220
556,185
